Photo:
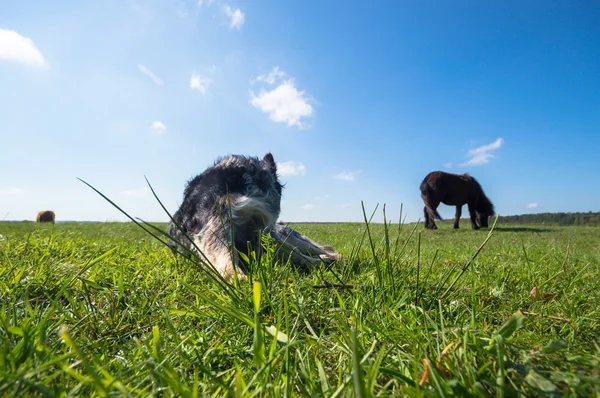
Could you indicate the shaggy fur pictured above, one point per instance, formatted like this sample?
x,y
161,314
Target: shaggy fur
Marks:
x,y
45,216
227,207
455,190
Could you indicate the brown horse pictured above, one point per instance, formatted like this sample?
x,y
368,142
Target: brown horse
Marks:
x,y
46,216
455,190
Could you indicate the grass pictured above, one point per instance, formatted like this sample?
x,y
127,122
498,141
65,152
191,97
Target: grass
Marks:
x,y
105,309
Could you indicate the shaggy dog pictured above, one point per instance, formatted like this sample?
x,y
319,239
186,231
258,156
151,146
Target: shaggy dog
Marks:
x,y
227,207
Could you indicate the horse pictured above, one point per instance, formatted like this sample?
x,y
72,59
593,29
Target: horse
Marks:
x,y
45,216
455,190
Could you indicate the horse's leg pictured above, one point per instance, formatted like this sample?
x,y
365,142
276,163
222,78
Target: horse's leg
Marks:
x,y
473,215
426,214
457,217
432,209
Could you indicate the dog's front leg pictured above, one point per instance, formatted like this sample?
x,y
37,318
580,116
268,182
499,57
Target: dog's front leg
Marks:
x,y
302,250
286,251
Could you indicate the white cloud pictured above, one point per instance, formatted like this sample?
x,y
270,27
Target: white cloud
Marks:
x,y
270,78
11,191
284,104
483,154
291,169
151,75
159,127
346,175
533,205
135,192
308,206
344,205
236,17
447,165
14,47
199,83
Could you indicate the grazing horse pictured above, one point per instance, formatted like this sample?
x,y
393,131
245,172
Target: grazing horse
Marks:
x,y
455,190
46,216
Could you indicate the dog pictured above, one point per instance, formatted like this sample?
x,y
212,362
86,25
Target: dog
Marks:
x,y
225,210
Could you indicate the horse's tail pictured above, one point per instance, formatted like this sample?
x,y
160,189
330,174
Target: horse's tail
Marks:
x,y
433,213
427,193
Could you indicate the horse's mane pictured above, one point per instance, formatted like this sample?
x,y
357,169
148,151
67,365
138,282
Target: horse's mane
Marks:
x,y
485,205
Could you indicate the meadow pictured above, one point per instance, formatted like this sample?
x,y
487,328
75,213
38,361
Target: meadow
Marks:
x,y
102,309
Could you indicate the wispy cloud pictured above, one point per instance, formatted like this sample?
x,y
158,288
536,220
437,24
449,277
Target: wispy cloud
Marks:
x,y
346,175
483,154
308,206
11,191
270,78
284,103
158,127
151,75
135,192
199,83
533,205
291,168
17,48
236,17
447,165
206,3
344,205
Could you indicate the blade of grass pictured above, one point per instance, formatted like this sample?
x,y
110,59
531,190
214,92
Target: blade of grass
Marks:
x,y
464,269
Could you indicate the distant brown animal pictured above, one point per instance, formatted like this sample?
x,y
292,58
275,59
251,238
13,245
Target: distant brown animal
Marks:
x,y
455,190
46,216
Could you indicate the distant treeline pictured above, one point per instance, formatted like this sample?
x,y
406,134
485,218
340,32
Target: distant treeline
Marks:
x,y
589,218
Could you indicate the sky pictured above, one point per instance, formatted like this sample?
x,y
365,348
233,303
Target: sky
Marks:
x,y
357,101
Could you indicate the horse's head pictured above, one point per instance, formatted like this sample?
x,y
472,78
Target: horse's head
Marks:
x,y
485,210
482,219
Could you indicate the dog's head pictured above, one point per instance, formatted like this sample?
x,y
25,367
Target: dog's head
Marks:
x,y
259,186
257,178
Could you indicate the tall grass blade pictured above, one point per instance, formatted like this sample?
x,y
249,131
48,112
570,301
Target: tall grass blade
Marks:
x,y
358,380
464,269
122,211
259,346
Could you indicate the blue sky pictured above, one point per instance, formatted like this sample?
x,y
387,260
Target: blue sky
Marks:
x,y
356,101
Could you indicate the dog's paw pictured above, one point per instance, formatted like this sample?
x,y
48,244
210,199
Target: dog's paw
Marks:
x,y
329,258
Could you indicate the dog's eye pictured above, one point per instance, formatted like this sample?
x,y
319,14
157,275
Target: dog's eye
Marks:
x,y
264,182
263,185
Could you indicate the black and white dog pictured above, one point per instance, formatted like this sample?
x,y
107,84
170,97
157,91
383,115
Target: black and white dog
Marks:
x,y
227,207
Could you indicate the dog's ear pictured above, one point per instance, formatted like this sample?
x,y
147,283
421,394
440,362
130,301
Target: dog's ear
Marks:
x,y
268,159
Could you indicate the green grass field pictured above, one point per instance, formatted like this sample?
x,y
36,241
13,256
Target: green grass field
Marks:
x,y
105,309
